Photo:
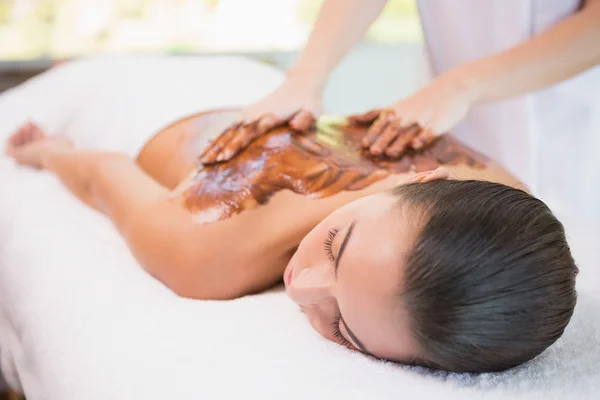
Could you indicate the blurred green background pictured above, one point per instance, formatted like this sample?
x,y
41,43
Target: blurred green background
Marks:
x,y
33,29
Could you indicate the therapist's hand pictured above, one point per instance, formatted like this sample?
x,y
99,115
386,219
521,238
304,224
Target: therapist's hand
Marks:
x,y
416,121
297,102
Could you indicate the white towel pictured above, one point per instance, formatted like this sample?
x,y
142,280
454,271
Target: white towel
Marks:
x,y
79,319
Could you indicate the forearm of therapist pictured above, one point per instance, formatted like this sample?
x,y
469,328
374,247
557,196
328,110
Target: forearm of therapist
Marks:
x,y
563,51
339,26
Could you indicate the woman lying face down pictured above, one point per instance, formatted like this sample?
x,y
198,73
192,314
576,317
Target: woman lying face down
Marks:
x,y
467,276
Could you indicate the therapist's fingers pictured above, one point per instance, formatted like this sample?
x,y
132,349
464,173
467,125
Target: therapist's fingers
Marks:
x,y
425,137
266,123
402,141
237,137
388,136
302,121
365,119
375,130
214,149
246,134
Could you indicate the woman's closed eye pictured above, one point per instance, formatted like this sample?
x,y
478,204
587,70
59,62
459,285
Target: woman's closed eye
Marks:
x,y
329,242
337,333
335,324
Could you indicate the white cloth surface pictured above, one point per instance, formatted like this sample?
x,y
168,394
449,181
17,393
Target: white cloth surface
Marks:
x,y
118,103
79,319
549,138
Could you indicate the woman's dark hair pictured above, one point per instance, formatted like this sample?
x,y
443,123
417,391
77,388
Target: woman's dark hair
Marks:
x,y
490,281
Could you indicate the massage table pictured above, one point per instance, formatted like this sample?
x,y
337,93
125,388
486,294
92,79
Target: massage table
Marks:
x,y
81,320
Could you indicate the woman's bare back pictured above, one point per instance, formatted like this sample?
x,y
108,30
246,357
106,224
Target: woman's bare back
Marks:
x,y
315,165
261,204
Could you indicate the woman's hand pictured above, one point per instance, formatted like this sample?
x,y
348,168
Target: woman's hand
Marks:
x,y
417,120
297,102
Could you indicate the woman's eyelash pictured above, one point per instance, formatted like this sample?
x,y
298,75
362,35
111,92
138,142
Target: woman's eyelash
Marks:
x,y
329,242
337,334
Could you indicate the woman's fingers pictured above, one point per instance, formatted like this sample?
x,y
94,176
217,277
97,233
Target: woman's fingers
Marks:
x,y
214,149
391,132
365,119
376,130
402,141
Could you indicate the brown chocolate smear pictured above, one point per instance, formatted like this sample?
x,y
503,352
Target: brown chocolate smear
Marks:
x,y
316,164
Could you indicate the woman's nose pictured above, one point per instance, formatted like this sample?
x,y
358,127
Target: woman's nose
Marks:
x,y
313,285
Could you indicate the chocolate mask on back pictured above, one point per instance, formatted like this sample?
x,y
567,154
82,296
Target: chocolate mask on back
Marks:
x,y
316,164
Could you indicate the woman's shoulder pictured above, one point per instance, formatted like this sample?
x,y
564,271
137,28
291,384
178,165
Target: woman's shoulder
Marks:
x,y
295,180
492,171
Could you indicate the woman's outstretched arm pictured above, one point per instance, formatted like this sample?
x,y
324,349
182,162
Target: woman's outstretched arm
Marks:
x,y
109,182
221,260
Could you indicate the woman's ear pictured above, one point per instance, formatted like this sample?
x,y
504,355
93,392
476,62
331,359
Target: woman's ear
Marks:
x,y
428,176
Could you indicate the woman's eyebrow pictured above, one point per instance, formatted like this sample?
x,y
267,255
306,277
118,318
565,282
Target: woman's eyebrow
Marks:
x,y
343,246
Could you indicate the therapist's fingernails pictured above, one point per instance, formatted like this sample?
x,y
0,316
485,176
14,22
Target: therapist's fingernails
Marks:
x,y
392,153
227,155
